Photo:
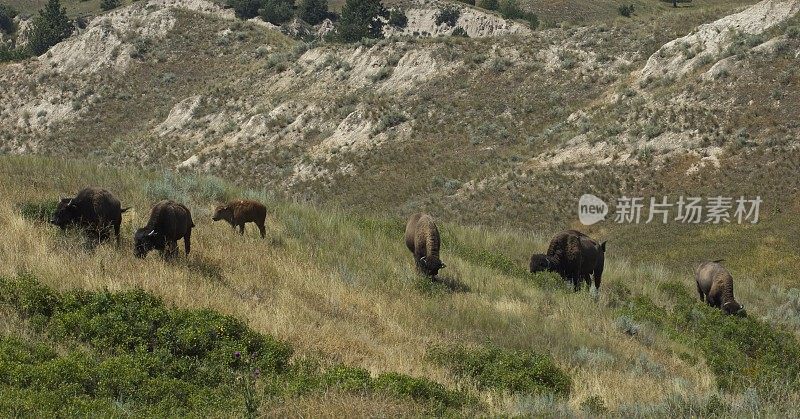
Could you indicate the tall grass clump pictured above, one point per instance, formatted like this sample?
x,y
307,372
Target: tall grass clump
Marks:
x,y
191,188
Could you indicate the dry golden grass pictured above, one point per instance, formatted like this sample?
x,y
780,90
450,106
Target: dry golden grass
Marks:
x,y
343,287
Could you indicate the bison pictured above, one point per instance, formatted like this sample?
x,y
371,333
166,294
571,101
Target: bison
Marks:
x,y
95,210
240,212
422,239
169,222
574,256
715,286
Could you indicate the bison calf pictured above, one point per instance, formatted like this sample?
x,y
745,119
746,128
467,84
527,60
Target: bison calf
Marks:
x,y
95,210
240,212
715,286
169,222
422,239
574,256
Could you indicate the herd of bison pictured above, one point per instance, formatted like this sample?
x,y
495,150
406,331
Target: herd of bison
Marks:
x,y
573,255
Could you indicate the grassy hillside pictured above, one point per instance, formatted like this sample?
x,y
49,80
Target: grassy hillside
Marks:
x,y
340,289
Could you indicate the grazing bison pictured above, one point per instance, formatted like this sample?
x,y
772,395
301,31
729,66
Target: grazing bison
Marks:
x,y
715,286
169,222
95,210
240,212
422,239
574,256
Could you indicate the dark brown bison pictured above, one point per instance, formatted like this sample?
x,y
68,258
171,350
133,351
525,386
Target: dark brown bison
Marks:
x,y
422,239
574,256
169,222
95,210
240,212
715,286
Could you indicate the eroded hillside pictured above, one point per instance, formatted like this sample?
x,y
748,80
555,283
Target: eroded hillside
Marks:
x,y
484,129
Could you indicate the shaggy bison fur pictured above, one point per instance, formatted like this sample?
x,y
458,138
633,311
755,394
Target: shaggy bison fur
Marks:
x,y
715,286
422,239
574,256
95,210
240,212
169,222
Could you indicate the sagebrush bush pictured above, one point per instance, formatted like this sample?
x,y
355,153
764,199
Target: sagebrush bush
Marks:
x,y
505,370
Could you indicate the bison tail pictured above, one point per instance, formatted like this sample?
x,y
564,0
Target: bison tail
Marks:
x,y
718,260
124,209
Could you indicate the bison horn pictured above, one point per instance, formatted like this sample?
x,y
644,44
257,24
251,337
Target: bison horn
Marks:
x,y
423,261
151,233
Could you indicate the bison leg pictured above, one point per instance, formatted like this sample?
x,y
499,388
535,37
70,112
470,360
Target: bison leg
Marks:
x,y
116,232
262,229
241,228
171,250
700,291
187,242
588,281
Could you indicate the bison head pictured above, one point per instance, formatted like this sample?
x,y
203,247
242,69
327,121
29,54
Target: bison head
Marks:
x,y
223,212
541,263
732,307
430,266
145,240
66,213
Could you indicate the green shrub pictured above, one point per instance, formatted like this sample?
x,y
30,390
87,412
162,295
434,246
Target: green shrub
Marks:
x,y
161,361
40,211
505,370
625,10
741,352
347,378
50,27
793,32
421,390
460,32
8,54
398,18
510,10
448,16
488,4
109,4
276,11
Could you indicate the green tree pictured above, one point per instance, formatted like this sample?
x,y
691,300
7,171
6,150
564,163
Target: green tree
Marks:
x,y
109,4
7,15
245,9
362,19
312,11
50,27
276,11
